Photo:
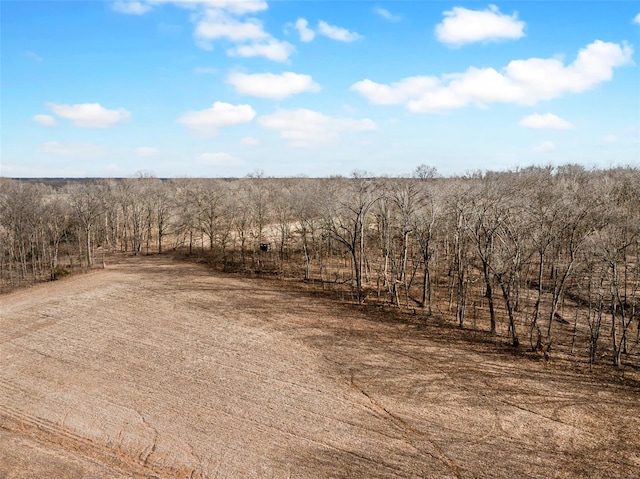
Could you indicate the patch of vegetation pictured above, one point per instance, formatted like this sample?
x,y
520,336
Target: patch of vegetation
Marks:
x,y
59,272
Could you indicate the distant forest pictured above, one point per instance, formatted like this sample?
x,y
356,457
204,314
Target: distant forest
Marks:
x,y
548,257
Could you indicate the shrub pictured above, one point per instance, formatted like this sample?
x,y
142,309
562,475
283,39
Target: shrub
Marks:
x,y
59,272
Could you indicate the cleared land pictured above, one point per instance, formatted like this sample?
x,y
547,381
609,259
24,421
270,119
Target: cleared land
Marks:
x,y
155,368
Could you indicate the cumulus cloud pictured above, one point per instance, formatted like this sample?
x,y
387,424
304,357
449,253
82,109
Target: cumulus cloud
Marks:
x,y
524,82
545,147
275,50
249,141
44,120
395,93
461,26
269,85
386,14
237,7
305,128
547,121
131,7
220,160
231,21
89,115
72,150
610,139
226,20
337,33
306,34
206,122
636,20
147,152
217,24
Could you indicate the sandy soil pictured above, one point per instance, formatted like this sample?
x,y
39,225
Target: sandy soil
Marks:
x,y
155,368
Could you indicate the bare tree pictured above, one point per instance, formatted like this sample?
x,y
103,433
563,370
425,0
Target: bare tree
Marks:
x,y
510,256
580,216
283,214
87,203
209,198
407,198
346,221
484,221
306,199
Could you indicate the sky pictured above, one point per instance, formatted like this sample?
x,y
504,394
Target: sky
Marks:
x,y
225,88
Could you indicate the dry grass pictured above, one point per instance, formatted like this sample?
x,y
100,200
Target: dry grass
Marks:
x,y
156,368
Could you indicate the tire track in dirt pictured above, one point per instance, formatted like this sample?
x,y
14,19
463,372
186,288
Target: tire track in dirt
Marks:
x,y
162,369
409,431
34,343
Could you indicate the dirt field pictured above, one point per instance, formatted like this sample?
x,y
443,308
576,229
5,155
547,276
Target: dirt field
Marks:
x,y
154,368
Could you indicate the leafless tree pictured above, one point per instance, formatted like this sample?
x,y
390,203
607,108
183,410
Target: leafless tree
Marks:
x,y
347,218
87,202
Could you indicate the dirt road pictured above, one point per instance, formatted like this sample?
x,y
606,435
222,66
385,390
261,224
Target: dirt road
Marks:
x,y
154,368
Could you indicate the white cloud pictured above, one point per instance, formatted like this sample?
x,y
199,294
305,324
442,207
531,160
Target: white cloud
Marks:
x,y
218,24
610,139
545,147
386,14
240,7
206,122
131,7
44,120
249,141
269,85
636,20
89,115
337,33
304,128
226,20
461,26
220,160
275,50
306,34
545,121
223,19
524,82
237,7
73,150
147,152
395,93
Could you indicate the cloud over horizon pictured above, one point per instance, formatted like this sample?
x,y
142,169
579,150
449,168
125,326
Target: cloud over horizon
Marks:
x,y
207,122
545,121
89,115
305,128
522,82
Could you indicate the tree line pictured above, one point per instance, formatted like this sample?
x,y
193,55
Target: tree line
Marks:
x,y
547,256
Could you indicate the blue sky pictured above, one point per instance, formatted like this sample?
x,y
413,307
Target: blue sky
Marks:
x,y
220,88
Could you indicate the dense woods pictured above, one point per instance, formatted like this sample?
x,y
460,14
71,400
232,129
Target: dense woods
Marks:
x,y
547,258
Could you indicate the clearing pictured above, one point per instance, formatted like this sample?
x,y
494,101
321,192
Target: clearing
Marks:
x,y
157,368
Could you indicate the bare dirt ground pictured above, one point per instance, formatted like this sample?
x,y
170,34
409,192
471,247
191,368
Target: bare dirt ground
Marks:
x,y
156,368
